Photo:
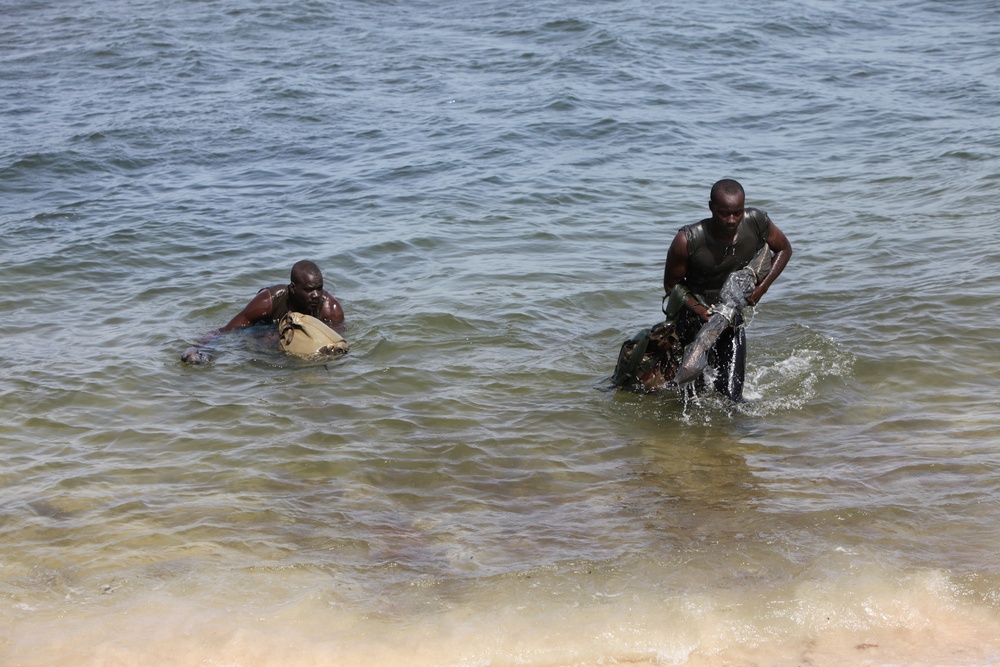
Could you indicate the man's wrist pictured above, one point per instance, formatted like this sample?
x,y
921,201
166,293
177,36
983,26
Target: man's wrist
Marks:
x,y
698,308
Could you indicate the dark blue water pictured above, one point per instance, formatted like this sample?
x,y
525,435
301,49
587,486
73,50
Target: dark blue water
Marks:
x,y
490,192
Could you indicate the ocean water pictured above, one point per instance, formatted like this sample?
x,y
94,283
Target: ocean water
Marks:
x,y
490,190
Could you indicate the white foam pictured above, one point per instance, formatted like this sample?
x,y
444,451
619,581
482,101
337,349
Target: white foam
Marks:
x,y
867,618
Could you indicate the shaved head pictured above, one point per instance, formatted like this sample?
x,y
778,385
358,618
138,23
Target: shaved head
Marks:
x,y
303,270
727,187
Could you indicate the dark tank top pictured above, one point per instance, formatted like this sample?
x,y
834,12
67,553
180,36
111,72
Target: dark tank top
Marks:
x,y
710,262
279,302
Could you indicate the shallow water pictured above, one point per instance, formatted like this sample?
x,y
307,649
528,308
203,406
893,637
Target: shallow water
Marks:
x,y
491,192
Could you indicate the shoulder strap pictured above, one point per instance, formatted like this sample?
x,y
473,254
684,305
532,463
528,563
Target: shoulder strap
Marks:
x,y
695,234
279,299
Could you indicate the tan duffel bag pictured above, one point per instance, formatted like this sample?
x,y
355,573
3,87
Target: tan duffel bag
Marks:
x,y
306,336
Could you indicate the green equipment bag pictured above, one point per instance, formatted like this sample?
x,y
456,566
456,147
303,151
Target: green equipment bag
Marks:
x,y
647,361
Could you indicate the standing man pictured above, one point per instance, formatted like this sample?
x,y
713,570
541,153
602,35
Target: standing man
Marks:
x,y
304,294
700,259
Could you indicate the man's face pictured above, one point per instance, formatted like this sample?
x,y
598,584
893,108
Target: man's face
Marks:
x,y
727,210
308,288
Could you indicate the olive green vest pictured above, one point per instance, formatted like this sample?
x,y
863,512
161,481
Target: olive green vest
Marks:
x,y
710,262
279,302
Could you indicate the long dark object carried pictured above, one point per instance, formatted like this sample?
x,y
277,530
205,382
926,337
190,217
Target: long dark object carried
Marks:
x,y
726,313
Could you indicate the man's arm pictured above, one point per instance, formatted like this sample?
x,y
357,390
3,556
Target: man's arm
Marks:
x,y
676,270
782,249
258,309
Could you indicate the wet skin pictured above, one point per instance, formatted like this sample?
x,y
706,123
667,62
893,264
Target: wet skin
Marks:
x,y
727,213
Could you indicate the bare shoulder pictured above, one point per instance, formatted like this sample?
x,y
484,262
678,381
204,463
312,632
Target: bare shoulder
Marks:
x,y
777,240
680,243
260,305
259,308
331,311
